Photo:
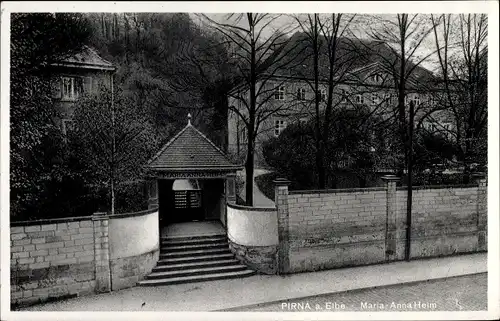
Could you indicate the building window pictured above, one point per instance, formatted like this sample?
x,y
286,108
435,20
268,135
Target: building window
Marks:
x,y
279,126
343,99
322,95
301,94
374,99
416,100
68,125
68,88
279,93
393,99
360,99
72,87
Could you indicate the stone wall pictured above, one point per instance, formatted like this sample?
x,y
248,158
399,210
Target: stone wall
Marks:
x,y
61,258
338,228
253,236
55,260
444,221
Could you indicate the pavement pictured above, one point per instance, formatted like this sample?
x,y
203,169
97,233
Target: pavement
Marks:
x,y
258,289
259,199
460,293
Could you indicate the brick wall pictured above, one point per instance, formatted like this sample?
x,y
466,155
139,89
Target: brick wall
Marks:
x,y
54,260
337,228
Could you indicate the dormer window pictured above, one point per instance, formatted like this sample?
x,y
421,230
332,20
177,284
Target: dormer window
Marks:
x,y
376,78
360,99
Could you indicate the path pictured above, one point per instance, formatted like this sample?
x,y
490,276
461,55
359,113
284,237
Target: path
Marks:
x,y
258,289
259,199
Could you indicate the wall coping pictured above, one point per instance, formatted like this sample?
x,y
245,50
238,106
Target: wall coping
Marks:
x,y
132,214
251,208
421,187
51,221
81,218
340,190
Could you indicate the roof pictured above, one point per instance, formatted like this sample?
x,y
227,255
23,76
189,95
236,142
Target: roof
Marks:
x,y
86,58
190,150
353,55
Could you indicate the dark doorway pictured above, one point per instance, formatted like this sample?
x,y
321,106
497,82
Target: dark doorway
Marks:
x,y
188,205
180,201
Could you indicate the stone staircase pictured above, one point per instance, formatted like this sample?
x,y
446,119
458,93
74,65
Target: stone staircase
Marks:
x,y
195,259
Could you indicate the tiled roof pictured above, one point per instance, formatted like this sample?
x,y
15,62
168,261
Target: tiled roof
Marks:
x,y
87,58
190,150
352,55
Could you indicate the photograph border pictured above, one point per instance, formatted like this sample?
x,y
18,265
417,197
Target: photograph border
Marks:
x,y
376,7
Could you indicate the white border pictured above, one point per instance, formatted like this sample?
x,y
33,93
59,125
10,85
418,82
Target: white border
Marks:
x,y
490,7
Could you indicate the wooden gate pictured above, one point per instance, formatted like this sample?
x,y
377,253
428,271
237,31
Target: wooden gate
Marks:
x,y
188,205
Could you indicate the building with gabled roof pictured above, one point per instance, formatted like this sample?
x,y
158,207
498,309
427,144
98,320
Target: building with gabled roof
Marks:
x,y
72,77
362,77
195,162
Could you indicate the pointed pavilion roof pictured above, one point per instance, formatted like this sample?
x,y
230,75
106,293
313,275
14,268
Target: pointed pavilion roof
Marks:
x,y
190,150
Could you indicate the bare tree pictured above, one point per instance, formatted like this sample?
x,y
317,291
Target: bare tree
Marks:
x,y
461,45
324,35
259,51
400,39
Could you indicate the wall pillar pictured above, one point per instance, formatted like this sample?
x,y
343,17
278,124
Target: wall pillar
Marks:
x,y
230,195
482,210
281,201
391,232
152,193
231,188
101,252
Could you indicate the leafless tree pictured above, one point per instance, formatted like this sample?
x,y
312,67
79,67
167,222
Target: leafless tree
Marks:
x,y
400,42
324,35
461,45
259,51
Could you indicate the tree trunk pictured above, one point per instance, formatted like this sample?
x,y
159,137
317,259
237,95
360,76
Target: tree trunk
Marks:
x,y
410,184
320,154
251,135
249,170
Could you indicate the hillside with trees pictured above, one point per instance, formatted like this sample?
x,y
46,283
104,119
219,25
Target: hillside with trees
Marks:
x,y
167,67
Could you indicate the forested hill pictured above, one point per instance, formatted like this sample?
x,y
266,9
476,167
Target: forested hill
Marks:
x,y
168,65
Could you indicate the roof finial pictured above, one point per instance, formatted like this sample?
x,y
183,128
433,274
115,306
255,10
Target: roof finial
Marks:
x,y
189,118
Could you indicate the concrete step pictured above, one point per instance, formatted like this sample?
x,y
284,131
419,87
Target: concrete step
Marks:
x,y
191,238
197,278
194,259
194,241
192,247
199,264
196,271
194,253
